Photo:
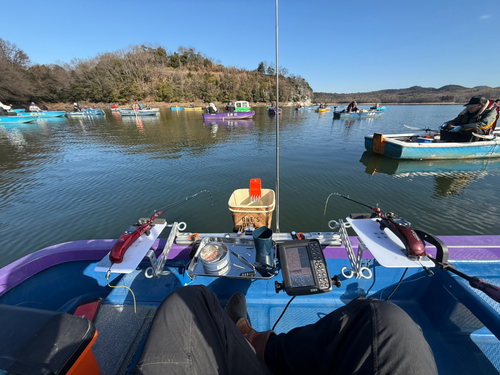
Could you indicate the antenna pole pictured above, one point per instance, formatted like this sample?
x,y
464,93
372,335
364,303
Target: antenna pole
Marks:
x,y
277,132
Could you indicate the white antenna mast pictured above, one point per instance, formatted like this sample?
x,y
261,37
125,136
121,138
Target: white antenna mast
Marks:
x,y
277,131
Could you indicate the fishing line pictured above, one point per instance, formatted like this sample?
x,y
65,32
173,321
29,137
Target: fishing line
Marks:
x,y
169,207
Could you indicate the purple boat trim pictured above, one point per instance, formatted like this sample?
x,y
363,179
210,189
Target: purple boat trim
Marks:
x,y
228,116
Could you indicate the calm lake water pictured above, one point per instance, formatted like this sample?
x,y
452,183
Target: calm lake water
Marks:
x,y
79,179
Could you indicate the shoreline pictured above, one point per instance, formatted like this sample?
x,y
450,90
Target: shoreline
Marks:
x,y
68,107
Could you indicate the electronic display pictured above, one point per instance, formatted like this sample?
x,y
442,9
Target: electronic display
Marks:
x,y
303,267
299,267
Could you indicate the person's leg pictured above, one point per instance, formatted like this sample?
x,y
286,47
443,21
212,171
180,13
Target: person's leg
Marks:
x,y
366,336
191,334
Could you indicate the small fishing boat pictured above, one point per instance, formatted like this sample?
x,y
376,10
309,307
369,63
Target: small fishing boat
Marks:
x,y
86,112
359,114
20,110
43,114
414,146
242,106
272,111
193,108
176,108
322,110
140,112
379,108
17,119
227,115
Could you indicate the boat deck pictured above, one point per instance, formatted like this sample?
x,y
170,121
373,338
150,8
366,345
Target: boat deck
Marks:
x,y
453,316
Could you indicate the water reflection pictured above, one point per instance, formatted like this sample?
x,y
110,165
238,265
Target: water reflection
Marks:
x,y
14,137
243,122
451,177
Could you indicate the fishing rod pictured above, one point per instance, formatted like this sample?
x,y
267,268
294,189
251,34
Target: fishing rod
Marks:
x,y
441,261
135,231
414,246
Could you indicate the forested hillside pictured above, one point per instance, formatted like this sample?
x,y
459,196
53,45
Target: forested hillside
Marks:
x,y
142,73
414,95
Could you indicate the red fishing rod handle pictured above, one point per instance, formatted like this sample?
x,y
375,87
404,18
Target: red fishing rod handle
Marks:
x,y
491,291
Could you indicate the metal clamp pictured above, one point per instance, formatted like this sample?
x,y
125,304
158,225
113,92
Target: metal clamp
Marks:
x,y
357,270
157,268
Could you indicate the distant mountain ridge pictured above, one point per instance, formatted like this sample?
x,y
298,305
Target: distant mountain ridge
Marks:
x,y
448,94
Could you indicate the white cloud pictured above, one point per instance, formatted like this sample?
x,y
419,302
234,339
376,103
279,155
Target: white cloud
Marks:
x,y
486,16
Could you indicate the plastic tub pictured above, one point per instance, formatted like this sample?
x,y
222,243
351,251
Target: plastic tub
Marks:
x,y
251,214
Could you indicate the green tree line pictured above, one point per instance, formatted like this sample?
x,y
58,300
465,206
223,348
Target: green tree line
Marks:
x,y
142,73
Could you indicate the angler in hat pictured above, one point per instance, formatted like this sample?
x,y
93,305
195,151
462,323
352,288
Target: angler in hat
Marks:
x,y
476,118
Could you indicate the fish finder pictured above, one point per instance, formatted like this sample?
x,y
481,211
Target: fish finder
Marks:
x,y
303,267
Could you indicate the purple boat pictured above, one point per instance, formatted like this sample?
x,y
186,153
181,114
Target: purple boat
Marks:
x,y
272,111
227,115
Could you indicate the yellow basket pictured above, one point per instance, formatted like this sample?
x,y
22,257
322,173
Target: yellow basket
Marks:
x,y
251,214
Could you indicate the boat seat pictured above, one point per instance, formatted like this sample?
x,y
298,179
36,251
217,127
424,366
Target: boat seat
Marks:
x,y
36,341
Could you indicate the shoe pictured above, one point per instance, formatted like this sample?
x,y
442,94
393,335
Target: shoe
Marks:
x,y
236,307
258,340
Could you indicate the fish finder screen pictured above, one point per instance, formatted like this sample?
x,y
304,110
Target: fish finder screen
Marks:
x,y
299,267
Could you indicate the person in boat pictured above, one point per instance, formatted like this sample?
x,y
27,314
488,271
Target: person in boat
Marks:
x,y
4,112
114,106
44,107
34,108
352,107
76,107
299,106
230,107
192,334
212,109
136,107
476,118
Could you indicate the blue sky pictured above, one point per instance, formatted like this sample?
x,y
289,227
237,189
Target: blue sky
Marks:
x,y
337,46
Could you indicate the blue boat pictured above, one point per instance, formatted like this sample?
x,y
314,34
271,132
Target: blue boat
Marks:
x,y
176,108
379,108
414,146
71,279
359,114
17,119
21,110
43,114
